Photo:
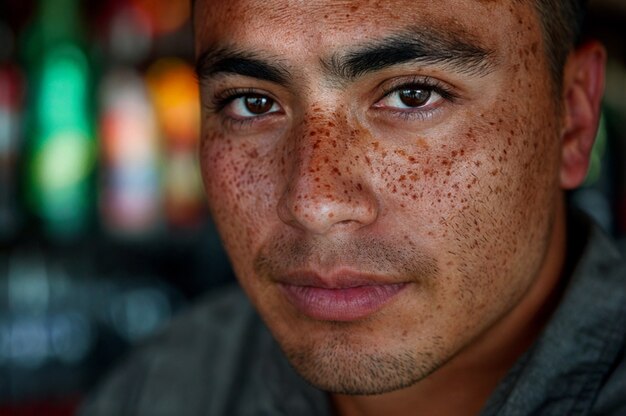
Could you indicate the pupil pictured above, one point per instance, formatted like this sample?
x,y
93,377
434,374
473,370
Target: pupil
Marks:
x,y
258,104
414,98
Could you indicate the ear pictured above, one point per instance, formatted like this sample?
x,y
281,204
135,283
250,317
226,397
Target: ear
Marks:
x,y
583,87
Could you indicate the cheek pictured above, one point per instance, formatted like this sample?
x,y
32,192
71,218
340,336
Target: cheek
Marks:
x,y
477,196
237,182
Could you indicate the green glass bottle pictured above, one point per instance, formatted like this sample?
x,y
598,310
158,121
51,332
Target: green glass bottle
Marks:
x,y
61,143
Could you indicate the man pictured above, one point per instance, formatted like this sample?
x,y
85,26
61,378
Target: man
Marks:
x,y
388,179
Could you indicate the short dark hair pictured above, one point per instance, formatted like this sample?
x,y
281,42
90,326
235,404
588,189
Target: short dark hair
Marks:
x,y
563,22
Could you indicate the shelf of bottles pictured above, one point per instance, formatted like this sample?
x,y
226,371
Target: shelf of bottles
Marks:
x,y
104,231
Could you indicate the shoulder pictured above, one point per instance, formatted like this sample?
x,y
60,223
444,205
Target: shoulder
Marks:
x,y
612,396
171,373
597,312
576,366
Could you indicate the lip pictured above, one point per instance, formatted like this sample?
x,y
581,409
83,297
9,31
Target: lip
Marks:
x,y
341,298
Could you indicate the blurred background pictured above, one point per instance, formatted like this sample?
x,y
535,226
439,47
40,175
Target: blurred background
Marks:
x,y
104,232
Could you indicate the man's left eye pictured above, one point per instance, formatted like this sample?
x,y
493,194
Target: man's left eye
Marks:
x,y
410,98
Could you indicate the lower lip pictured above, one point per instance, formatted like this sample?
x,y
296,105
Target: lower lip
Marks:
x,y
342,304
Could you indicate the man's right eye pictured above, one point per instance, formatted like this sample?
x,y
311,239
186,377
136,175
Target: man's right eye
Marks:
x,y
250,106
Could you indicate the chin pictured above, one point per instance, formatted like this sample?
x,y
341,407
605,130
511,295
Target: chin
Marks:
x,y
337,366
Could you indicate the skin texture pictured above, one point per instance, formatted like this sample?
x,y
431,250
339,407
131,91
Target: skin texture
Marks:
x,y
460,200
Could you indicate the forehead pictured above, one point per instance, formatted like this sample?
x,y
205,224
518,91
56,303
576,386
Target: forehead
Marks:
x,y
329,24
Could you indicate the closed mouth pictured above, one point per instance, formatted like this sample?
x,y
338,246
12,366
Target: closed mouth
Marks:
x,y
350,299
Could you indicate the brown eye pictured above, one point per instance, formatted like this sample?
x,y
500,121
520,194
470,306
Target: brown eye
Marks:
x,y
414,97
258,104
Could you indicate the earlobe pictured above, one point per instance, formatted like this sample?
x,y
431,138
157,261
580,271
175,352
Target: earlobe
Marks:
x,y
583,90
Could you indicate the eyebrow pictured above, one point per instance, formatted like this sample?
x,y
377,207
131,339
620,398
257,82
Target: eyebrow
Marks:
x,y
449,50
217,61
443,48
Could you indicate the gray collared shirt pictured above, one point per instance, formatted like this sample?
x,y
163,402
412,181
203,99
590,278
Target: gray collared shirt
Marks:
x,y
219,359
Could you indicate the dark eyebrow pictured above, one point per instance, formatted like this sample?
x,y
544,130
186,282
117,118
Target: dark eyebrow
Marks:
x,y
446,49
216,61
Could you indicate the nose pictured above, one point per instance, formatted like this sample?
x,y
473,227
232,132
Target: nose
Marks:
x,y
326,189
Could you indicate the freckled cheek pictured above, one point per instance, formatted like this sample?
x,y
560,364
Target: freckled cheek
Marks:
x,y
425,181
240,193
467,180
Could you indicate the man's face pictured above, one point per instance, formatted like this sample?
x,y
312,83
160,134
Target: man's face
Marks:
x,y
384,175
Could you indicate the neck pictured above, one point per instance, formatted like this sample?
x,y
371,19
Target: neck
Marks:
x,y
463,385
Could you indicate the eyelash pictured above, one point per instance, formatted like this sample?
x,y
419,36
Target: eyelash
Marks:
x,y
224,98
418,82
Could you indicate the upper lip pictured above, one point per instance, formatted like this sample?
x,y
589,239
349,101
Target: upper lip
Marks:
x,y
338,279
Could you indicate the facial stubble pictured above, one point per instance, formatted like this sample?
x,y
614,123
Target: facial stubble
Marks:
x,y
344,360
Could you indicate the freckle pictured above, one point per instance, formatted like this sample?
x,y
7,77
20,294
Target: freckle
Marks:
x,y
454,153
331,215
313,133
423,144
